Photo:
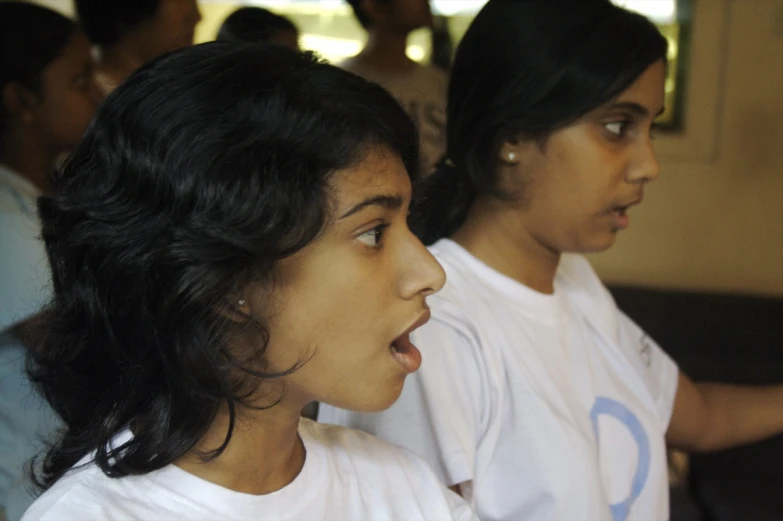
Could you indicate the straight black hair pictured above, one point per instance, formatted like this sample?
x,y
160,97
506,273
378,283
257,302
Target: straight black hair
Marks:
x,y
253,25
526,68
198,174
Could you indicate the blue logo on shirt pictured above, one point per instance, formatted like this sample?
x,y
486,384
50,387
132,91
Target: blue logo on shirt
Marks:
x,y
621,413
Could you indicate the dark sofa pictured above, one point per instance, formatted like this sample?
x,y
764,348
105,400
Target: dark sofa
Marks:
x,y
727,338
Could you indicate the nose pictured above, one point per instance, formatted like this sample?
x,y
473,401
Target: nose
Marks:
x,y
422,275
644,167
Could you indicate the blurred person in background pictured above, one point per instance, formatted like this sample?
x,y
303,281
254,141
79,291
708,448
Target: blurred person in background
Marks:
x,y
442,43
48,98
259,25
129,33
420,89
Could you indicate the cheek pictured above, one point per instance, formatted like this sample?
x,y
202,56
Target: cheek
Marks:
x,y
563,200
337,311
67,116
342,348
585,182
81,112
165,34
179,18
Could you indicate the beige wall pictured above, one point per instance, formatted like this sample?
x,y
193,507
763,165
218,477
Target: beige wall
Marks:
x,y
714,219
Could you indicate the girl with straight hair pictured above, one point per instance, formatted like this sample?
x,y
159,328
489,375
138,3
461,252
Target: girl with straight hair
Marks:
x,y
539,399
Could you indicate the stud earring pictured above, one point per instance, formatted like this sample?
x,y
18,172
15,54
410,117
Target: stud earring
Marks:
x,y
241,302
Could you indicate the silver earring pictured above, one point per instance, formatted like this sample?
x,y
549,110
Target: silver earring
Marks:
x,y
241,302
512,156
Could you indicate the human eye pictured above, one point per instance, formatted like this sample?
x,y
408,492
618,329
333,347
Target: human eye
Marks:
x,y
373,238
618,128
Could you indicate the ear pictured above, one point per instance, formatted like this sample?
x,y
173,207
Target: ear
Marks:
x,y
20,102
236,309
510,151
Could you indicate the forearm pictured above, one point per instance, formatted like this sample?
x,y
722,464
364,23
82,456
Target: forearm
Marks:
x,y
740,414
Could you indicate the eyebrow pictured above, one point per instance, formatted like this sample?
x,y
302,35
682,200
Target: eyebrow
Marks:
x,y
634,107
384,201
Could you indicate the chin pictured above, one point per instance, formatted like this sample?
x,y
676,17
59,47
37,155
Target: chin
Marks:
x,y
374,401
597,244
381,403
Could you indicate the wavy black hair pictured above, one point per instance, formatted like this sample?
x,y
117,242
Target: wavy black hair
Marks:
x,y
106,21
253,25
31,37
199,174
526,68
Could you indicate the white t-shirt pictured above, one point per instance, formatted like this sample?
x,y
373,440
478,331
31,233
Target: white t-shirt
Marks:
x,y
422,93
24,270
347,475
551,407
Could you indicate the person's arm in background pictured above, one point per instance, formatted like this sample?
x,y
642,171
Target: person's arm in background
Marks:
x,y
24,415
712,416
703,417
25,278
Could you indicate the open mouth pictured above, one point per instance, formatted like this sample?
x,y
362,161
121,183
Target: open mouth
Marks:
x,y
620,217
402,344
406,354
402,349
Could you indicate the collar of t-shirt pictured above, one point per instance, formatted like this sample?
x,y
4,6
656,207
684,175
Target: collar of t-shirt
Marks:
x,y
229,504
542,306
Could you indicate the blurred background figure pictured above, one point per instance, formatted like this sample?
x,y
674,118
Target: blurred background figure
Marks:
x,y
259,25
129,33
48,98
442,43
419,88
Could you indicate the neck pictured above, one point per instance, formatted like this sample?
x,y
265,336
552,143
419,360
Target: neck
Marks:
x,y
385,51
31,158
118,61
264,455
495,234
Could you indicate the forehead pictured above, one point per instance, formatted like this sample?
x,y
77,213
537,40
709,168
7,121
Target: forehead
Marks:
x,y
648,89
380,172
75,53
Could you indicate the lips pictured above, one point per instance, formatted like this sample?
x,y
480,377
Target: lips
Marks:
x,y
620,219
402,349
619,214
633,202
423,319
